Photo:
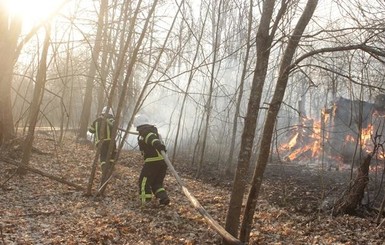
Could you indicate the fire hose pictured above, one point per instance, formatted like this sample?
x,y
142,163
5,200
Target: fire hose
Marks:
x,y
209,220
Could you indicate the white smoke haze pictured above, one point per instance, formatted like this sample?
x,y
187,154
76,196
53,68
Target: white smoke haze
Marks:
x,y
191,62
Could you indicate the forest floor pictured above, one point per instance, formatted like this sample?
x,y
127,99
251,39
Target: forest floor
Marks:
x,y
38,210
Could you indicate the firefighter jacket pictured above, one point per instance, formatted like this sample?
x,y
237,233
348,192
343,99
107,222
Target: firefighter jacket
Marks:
x,y
102,134
150,144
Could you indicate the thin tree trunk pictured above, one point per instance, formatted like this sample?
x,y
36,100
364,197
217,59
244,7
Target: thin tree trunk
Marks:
x,y
240,93
102,86
86,110
36,101
123,91
191,76
215,47
380,211
64,112
271,119
142,96
197,144
240,180
116,75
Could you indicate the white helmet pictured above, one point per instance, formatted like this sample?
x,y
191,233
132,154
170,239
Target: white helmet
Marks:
x,y
107,110
140,120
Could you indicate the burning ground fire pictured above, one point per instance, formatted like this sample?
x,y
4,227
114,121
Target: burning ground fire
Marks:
x,y
304,144
336,137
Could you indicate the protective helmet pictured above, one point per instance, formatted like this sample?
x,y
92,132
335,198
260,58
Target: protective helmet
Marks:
x,y
140,120
107,111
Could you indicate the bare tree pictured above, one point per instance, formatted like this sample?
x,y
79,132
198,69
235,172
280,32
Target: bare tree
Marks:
x,y
86,110
272,117
186,92
264,41
241,88
36,100
10,29
216,23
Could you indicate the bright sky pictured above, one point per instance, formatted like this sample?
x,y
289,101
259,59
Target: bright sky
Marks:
x,y
32,11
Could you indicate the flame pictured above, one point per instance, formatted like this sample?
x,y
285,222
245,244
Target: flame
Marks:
x,y
291,142
349,138
306,143
366,135
297,152
307,140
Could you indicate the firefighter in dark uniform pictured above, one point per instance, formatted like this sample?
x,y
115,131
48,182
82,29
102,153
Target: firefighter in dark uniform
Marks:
x,y
154,169
102,128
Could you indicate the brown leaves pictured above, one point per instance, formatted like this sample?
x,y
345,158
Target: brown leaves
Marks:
x,y
37,210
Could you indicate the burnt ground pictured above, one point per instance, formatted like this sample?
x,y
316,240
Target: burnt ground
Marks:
x,y
38,210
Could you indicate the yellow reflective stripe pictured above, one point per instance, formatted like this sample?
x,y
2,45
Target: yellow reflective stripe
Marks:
x,y
108,131
97,132
148,136
143,195
153,159
159,190
142,190
152,142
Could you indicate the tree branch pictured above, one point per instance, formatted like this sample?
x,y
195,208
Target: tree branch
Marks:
x,y
42,173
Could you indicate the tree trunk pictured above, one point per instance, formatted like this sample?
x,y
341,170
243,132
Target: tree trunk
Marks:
x,y
65,113
352,198
215,46
186,94
117,73
123,92
38,94
10,30
269,125
240,180
240,94
86,110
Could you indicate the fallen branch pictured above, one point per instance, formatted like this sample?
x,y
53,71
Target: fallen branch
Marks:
x,y
37,171
10,177
36,214
381,224
209,220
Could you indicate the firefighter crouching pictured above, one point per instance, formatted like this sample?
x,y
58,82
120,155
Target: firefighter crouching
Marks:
x,y
103,137
154,169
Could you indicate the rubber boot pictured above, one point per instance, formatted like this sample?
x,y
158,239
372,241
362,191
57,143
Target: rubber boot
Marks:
x,y
163,198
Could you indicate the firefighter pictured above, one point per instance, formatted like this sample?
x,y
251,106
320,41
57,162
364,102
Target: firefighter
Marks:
x,y
154,169
102,128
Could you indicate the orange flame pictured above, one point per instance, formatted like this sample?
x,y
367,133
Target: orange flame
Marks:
x,y
306,142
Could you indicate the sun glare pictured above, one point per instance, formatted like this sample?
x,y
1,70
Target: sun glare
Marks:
x,y
32,11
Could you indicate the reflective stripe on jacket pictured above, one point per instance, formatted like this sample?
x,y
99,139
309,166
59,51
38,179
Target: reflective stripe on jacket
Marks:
x,y
148,137
102,134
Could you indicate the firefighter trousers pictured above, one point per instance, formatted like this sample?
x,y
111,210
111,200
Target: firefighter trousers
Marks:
x,y
151,182
105,166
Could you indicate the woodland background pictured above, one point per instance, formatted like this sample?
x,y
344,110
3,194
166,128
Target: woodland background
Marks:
x,y
223,80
